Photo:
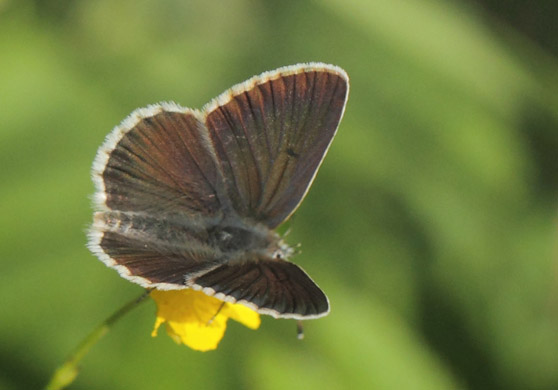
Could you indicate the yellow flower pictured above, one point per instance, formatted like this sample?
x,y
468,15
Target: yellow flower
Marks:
x,y
198,320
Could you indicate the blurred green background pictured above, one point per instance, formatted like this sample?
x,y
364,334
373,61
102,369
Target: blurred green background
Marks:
x,y
432,225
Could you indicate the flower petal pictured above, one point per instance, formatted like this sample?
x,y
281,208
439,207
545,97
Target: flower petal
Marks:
x,y
198,320
242,314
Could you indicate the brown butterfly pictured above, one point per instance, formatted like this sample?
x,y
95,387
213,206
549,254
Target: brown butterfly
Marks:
x,y
189,198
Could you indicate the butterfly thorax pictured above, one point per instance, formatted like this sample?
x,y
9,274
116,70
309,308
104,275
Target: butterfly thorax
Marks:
x,y
248,243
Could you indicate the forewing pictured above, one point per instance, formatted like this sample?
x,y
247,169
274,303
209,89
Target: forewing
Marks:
x,y
271,133
273,287
158,160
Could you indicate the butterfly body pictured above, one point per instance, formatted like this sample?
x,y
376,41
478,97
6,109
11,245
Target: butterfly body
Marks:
x,y
230,243
189,199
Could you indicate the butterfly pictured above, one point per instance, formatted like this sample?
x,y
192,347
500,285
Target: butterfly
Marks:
x,y
190,198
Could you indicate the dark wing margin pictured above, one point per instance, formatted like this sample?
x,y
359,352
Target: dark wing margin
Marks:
x,y
273,287
271,134
158,160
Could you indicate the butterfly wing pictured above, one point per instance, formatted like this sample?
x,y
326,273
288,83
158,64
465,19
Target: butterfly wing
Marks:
x,y
159,160
146,259
157,185
272,132
273,287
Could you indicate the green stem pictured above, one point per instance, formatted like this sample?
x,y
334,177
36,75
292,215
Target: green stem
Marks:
x,y
67,372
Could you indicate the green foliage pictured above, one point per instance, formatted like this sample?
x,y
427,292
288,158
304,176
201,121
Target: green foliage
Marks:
x,y
431,226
